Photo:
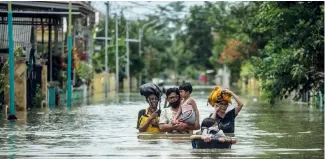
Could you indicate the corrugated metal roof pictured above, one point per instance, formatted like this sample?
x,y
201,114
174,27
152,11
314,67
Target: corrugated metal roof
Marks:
x,y
38,14
49,6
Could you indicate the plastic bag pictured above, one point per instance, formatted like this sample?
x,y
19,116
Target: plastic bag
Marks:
x,y
150,88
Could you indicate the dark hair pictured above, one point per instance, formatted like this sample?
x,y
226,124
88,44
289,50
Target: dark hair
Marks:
x,y
208,122
172,90
186,87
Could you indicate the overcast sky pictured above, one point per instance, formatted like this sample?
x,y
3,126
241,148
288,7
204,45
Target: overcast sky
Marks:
x,y
136,9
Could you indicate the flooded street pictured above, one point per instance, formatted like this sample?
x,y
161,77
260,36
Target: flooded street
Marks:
x,y
108,131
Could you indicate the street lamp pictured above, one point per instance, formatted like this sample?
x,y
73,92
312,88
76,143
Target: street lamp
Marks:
x,y
106,55
140,40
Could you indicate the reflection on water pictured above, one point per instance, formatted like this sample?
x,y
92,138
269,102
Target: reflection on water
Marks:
x,y
108,131
12,140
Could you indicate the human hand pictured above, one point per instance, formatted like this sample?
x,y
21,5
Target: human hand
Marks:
x,y
153,115
182,126
225,90
174,122
206,138
216,107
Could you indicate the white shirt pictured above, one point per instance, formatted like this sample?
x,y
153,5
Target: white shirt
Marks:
x,y
167,115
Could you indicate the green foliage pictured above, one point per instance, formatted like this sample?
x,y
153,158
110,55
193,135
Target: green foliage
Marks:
x,y
136,63
246,70
199,40
279,43
164,41
85,71
293,57
18,52
37,100
230,23
190,72
283,41
99,58
2,82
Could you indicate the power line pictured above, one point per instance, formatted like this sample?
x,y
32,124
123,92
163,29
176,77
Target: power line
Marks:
x,y
145,5
129,9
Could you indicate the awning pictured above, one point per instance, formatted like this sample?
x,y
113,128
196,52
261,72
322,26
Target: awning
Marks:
x,y
56,6
30,14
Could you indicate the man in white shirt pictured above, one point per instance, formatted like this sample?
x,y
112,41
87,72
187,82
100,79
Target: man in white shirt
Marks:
x,y
168,114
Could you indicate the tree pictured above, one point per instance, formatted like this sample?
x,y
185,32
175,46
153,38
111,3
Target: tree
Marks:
x,y
293,57
136,63
199,40
99,58
231,44
5,68
163,45
231,52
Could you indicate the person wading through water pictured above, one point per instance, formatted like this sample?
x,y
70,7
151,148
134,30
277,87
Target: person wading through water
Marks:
x,y
148,118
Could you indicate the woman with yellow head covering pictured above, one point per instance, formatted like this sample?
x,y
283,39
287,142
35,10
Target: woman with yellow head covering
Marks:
x,y
220,99
218,94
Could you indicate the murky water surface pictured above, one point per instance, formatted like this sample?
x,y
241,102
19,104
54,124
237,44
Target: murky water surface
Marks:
x,y
108,131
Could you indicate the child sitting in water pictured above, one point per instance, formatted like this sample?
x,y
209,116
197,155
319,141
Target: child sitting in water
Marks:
x,y
188,112
210,131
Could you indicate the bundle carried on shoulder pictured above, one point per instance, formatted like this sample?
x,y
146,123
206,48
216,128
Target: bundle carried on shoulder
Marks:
x,y
218,95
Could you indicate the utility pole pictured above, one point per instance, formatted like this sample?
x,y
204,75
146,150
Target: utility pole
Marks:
x,y
140,74
69,57
140,40
11,65
106,56
110,38
127,67
116,56
116,51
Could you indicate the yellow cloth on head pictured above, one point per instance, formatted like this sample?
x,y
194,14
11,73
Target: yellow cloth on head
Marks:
x,y
217,95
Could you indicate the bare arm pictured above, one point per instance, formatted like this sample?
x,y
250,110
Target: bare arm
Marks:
x,y
165,127
239,102
184,127
197,115
180,127
192,127
143,127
